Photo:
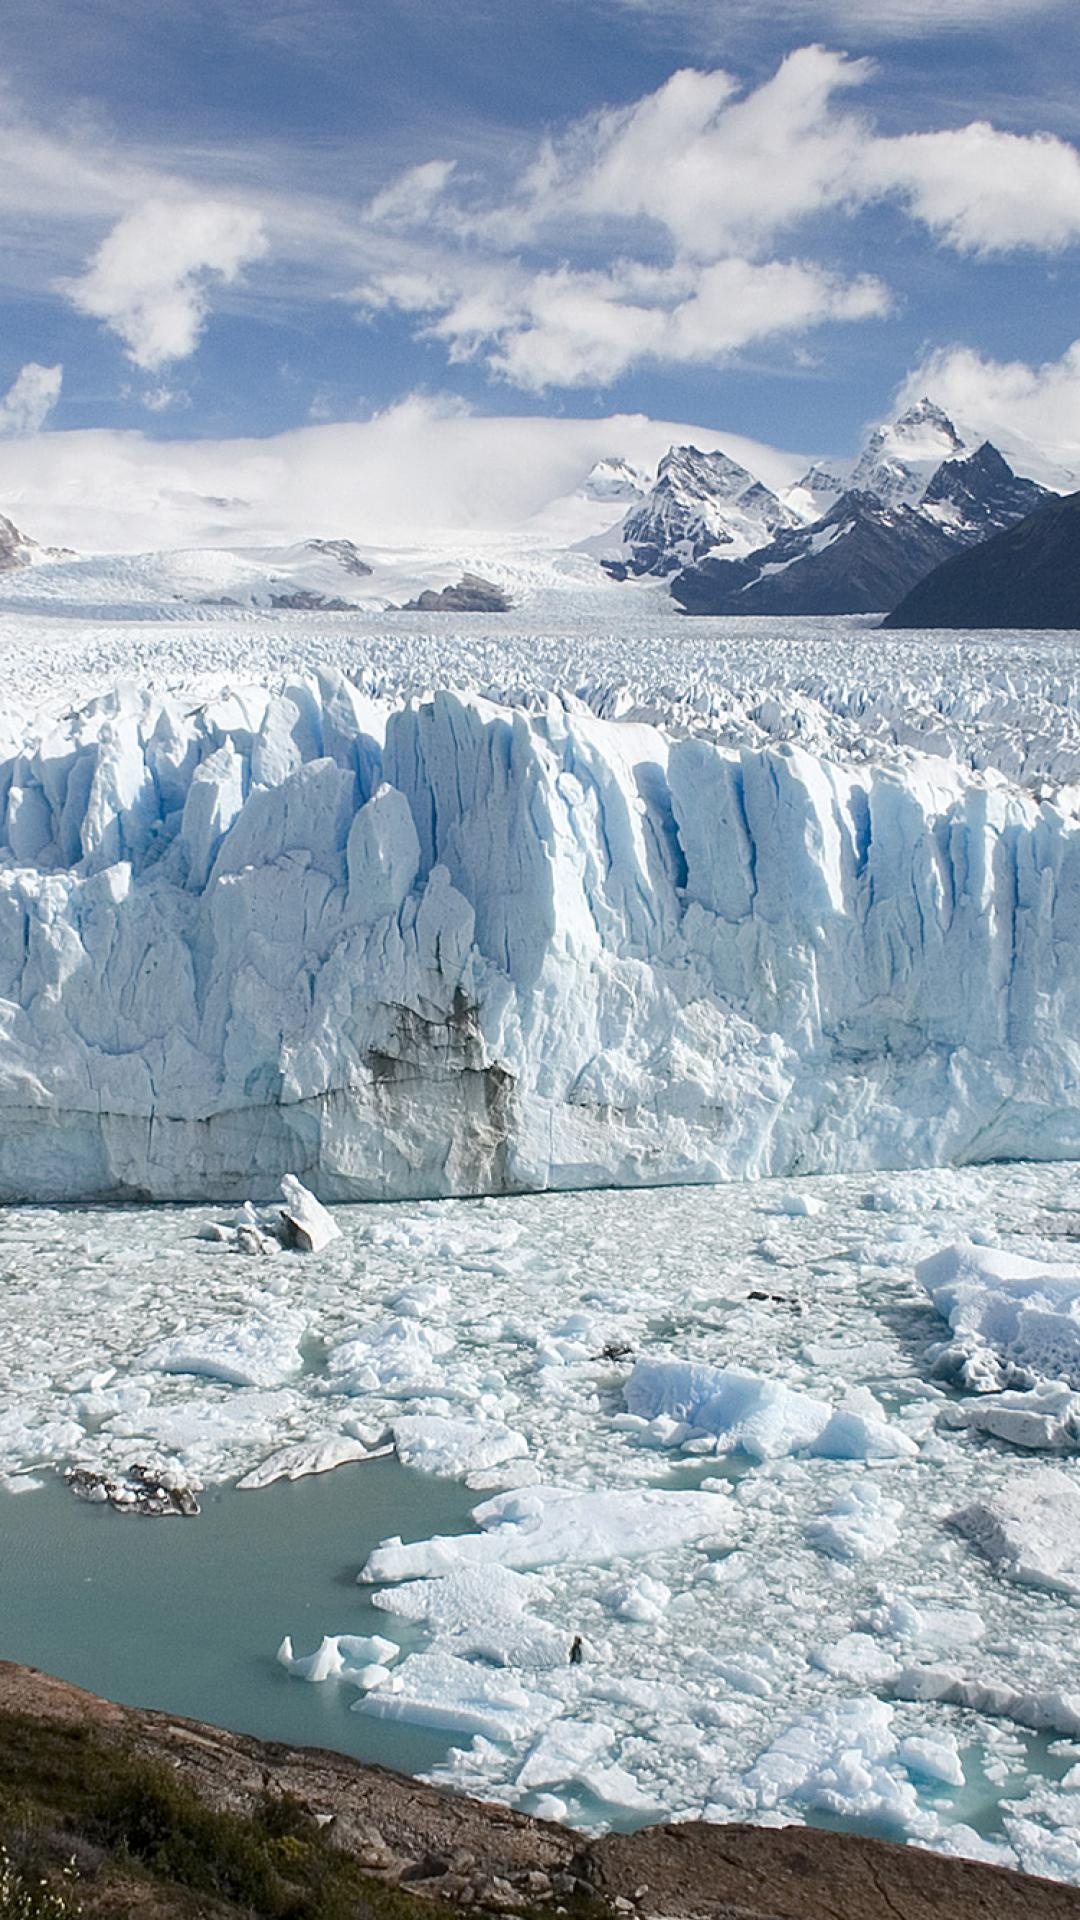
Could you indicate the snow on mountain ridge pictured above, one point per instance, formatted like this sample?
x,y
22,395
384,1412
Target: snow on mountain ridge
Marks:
x,y
454,948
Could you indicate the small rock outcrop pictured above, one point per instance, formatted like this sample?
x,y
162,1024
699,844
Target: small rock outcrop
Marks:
x,y
472,594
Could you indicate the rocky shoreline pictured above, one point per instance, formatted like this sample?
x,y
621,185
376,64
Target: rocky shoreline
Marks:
x,y
413,1837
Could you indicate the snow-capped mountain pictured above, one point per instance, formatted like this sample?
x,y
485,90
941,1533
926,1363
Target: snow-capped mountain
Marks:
x,y
818,490
980,495
916,495
902,456
18,550
699,501
615,479
859,558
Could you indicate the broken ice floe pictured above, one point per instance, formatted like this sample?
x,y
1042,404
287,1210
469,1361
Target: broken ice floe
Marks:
x,y
149,1490
301,1222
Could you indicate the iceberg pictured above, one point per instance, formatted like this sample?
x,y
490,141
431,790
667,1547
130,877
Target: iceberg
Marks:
x,y
455,947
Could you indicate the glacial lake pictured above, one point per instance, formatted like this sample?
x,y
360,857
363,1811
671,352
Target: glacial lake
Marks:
x,y
186,1615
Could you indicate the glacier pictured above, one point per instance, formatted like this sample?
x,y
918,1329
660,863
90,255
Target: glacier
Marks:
x,y
443,946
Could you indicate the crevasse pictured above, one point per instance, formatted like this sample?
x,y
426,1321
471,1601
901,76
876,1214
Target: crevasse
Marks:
x,y
453,948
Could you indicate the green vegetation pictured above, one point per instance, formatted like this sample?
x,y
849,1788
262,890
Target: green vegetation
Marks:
x,y
91,1828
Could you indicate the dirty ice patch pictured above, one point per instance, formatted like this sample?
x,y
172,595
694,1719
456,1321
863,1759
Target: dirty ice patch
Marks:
x,y
559,1526
262,1350
764,1418
1014,1320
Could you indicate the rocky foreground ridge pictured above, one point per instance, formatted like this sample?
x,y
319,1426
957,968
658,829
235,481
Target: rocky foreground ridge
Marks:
x,y
429,1846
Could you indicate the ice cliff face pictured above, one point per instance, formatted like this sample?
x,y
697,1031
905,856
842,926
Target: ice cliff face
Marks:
x,y
457,948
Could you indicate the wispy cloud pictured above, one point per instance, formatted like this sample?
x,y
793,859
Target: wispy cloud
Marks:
x,y
30,399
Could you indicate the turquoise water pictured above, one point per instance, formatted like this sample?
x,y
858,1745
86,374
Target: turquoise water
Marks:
x,y
187,1615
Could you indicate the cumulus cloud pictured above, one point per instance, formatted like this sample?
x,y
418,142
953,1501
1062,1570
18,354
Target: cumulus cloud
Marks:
x,y
150,280
658,231
30,399
1018,404
980,190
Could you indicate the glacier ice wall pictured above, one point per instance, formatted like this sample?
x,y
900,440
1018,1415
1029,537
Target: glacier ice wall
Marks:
x,y
454,948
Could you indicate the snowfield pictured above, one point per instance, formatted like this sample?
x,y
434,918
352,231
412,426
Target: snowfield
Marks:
x,y
706,1431
559,930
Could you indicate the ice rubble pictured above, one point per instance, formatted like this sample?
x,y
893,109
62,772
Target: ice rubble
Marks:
x,y
454,947
466,1328
1014,1320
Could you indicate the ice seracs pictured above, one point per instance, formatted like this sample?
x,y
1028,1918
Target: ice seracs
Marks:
x,y
457,947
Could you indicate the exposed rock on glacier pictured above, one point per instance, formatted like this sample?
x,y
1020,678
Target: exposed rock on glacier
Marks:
x,y
457,948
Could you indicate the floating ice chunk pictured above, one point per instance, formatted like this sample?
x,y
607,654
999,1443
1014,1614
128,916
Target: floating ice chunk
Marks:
x,y
454,1448
1042,1710
309,1456
744,1410
643,1599
859,1657
398,1359
1029,1529
935,1628
260,1351
437,1689
858,1430
557,1757
1045,1419
932,1758
459,1598
561,1526
841,1760
860,1524
339,1656
1011,1317
800,1205
762,1417
305,1221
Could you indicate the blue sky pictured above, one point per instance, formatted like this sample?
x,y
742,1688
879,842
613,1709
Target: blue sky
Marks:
x,y
237,218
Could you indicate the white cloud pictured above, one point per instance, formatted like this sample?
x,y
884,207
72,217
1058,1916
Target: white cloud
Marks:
x,y
149,280
716,172
569,329
876,19
649,233
1014,403
30,399
983,191
422,469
